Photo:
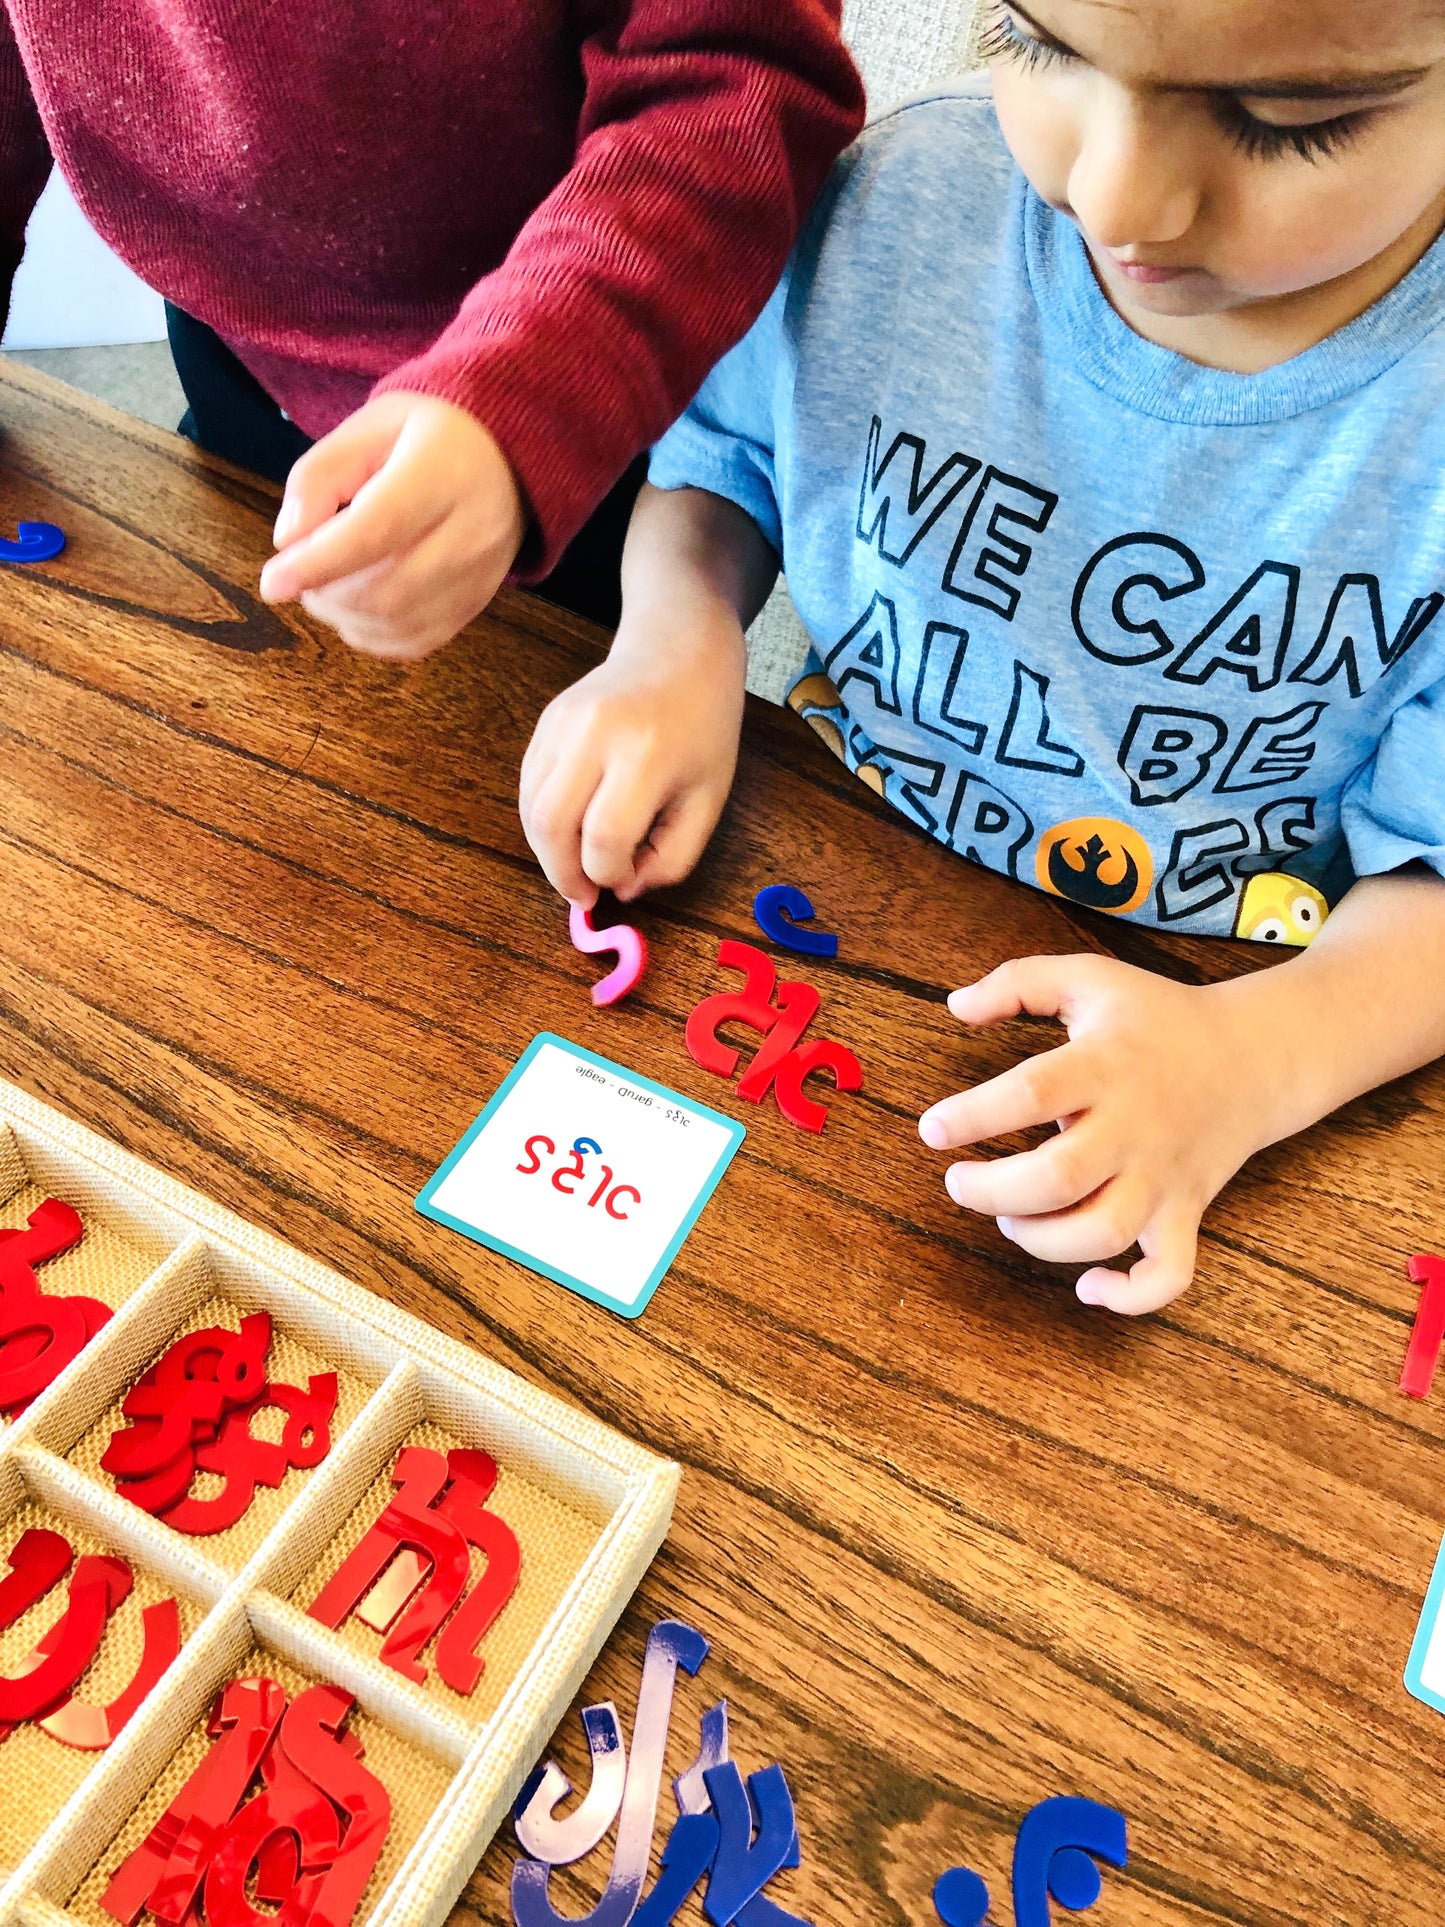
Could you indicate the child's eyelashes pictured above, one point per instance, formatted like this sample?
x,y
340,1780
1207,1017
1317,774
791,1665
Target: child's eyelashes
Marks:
x,y
1002,39
1005,39
1267,140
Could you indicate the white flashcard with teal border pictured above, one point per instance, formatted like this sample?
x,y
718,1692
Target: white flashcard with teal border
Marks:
x,y
1425,1671
585,1172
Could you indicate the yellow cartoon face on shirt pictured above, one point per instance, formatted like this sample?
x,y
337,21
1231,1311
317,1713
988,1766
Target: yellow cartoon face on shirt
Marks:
x,y
1276,908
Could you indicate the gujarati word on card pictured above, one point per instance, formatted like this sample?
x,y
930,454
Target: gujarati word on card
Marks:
x,y
585,1172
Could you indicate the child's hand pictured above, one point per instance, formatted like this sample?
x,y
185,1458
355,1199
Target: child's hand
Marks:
x,y
628,770
398,527
1158,1101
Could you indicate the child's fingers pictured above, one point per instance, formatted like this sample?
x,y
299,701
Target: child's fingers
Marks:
x,y
1054,1177
617,822
1101,1227
405,606
675,844
330,473
552,823
404,500
1171,1249
1040,986
1039,1091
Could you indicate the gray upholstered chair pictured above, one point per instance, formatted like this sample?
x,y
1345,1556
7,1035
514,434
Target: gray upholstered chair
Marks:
x,y
902,47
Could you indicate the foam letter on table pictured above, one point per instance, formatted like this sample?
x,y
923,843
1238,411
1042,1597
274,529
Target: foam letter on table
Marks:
x,y
670,1644
751,1005
690,1789
779,909
797,1007
784,1062
1051,1856
691,1847
621,938
744,1866
407,1521
685,1848
690,1851
803,1111
960,1898
559,1842
39,542
1418,1372
165,1871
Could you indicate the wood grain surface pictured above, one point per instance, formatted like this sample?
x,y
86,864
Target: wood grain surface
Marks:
x,y
958,1542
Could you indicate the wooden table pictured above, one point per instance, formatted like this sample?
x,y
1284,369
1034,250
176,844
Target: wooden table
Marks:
x,y
958,1543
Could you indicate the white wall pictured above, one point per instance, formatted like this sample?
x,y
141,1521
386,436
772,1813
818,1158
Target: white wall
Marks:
x,y
71,291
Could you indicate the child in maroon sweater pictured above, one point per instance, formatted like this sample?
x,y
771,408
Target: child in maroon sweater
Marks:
x,y
482,251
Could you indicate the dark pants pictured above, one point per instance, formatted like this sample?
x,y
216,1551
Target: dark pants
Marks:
x,y
230,414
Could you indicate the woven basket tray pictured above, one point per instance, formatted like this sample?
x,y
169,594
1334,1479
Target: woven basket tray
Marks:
x,y
588,1508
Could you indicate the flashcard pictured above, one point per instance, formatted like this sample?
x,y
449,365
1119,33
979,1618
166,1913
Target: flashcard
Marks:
x,y
584,1172
1425,1672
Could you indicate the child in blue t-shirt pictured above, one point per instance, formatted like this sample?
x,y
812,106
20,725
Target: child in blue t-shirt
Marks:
x,y
1099,424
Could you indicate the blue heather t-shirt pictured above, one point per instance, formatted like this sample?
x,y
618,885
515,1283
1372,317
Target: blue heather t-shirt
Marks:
x,y
1166,641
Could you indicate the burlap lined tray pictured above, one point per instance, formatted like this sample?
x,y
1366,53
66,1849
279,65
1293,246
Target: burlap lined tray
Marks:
x,y
589,1509
555,1539
289,1362
40,1773
414,1779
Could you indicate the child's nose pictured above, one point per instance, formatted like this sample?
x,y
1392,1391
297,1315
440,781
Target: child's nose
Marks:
x,y
1135,181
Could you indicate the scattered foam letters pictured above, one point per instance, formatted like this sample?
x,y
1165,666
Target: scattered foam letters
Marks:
x,y
1051,1861
783,1062
736,1835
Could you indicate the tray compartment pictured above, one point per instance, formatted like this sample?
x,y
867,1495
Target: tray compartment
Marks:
x,y
38,1772
204,1292
418,1780
557,1503
122,1244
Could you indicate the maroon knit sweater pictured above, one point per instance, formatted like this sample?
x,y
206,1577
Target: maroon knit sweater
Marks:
x,y
556,213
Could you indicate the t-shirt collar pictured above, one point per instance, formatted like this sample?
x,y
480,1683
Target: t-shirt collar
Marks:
x,y
1156,381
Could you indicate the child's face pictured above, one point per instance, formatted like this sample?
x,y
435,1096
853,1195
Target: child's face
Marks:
x,y
1219,154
